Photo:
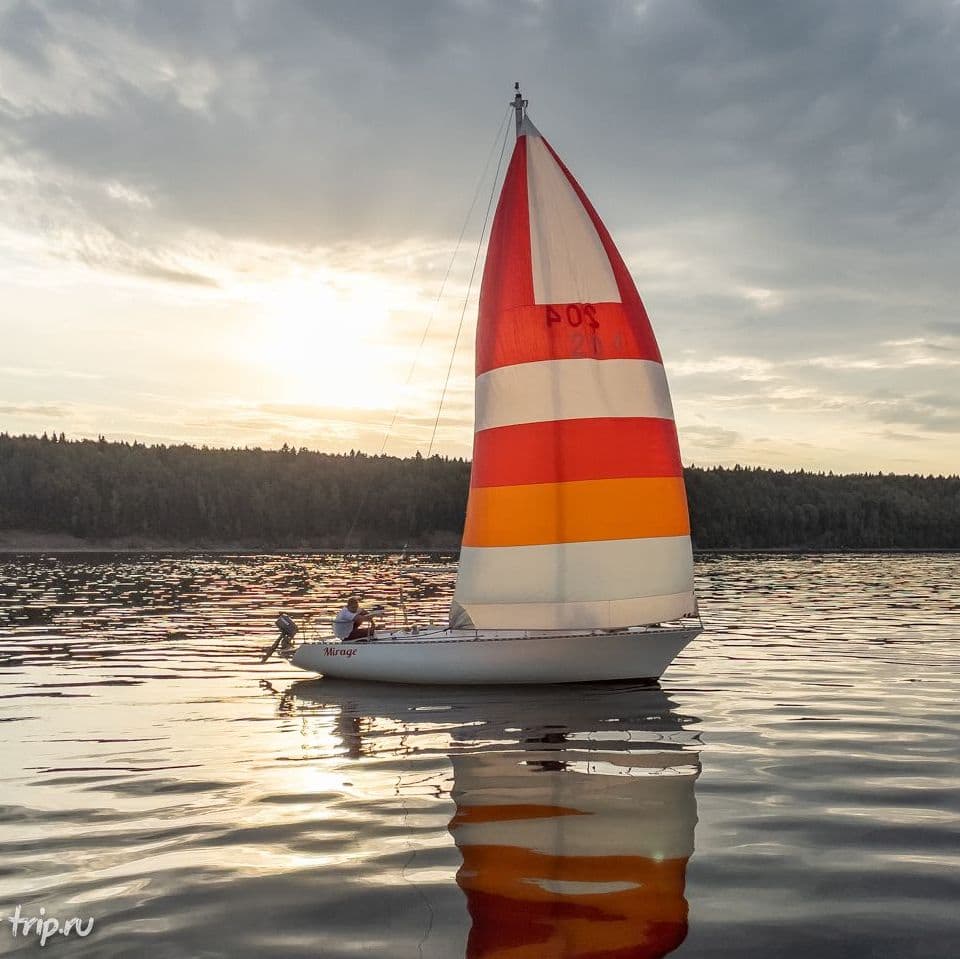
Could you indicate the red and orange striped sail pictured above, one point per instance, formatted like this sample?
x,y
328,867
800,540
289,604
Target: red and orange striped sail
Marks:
x,y
577,516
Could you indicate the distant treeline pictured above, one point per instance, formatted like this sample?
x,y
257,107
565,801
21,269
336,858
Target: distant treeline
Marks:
x,y
98,490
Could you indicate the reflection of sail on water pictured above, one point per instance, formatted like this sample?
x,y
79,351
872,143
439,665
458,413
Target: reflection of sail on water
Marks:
x,y
571,856
575,808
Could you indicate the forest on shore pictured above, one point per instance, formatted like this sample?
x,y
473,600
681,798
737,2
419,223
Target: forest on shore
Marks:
x,y
99,491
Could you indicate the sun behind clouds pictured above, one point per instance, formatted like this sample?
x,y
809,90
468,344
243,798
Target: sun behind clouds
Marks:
x,y
325,337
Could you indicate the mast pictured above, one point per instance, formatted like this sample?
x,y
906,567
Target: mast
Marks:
x,y
519,105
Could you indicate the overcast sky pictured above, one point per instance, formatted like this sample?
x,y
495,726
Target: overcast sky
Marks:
x,y
229,222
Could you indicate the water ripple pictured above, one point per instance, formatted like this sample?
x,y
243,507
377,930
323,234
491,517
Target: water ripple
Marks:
x,y
790,789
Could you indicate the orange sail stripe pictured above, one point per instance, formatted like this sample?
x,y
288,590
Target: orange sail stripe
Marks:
x,y
497,868
561,451
576,512
505,929
514,917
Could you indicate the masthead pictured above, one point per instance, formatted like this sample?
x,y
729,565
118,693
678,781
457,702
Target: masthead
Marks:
x,y
519,105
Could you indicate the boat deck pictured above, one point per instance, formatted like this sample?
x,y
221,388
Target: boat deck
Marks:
x,y
442,634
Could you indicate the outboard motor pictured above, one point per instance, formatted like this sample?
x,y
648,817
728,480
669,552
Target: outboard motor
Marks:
x,y
288,629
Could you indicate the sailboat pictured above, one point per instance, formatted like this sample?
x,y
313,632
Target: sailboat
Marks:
x,y
576,563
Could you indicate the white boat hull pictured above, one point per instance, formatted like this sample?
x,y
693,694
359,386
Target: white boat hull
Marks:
x,y
498,657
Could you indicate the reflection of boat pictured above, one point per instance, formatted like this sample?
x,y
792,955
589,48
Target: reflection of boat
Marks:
x,y
566,857
575,810
620,716
576,552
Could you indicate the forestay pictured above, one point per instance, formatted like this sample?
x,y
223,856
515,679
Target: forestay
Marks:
x,y
577,515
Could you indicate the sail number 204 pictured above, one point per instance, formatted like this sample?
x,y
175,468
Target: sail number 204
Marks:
x,y
574,315
576,329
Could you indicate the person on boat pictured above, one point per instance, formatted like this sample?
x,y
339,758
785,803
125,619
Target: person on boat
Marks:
x,y
347,626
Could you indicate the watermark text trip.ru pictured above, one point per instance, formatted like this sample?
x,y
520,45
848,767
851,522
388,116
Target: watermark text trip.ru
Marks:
x,y
44,926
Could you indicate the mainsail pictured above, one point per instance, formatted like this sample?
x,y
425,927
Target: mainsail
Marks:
x,y
577,514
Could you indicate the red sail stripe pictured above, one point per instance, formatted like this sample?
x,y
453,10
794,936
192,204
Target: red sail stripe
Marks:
x,y
562,451
562,331
508,273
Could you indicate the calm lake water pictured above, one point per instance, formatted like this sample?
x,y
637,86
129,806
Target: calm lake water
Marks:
x,y
790,789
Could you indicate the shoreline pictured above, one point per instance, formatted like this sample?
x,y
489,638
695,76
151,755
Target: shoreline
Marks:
x,y
13,543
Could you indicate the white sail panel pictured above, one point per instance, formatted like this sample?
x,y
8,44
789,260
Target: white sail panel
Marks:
x,y
571,389
578,572
568,259
613,614
611,805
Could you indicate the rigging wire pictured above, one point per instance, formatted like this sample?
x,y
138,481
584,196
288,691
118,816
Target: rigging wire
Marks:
x,y
463,311
433,313
466,299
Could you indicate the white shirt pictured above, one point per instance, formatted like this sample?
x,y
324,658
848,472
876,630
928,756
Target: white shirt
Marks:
x,y
343,624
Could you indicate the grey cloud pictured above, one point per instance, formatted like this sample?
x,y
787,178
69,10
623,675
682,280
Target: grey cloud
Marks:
x,y
106,252
175,276
710,437
946,328
344,125
24,33
926,411
898,436
34,409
